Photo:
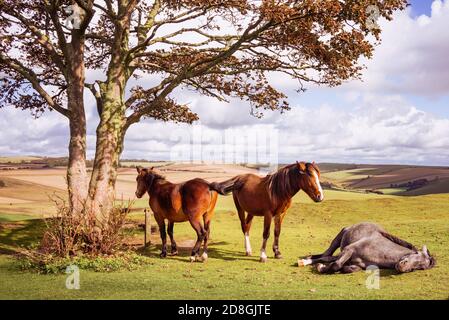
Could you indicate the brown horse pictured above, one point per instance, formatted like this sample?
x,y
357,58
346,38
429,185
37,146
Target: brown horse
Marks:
x,y
270,197
192,201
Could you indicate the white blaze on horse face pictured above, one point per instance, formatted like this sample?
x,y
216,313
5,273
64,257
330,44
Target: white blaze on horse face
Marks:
x,y
247,243
317,181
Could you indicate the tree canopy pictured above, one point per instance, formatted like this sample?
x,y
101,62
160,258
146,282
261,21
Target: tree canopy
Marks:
x,y
219,48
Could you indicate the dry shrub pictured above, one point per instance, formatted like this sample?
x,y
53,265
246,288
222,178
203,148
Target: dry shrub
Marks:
x,y
70,233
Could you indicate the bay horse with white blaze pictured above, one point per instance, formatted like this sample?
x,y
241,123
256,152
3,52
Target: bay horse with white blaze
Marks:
x,y
270,197
192,201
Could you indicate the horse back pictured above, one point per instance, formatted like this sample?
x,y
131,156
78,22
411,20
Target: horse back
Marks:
x,y
195,196
251,194
377,250
368,243
179,202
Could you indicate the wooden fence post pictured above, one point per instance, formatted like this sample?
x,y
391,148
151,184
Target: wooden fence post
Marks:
x,y
147,240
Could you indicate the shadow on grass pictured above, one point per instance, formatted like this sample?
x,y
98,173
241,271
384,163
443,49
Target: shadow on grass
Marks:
x,y
384,273
389,273
184,252
20,234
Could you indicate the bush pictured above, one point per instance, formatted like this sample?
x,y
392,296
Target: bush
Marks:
x,y
71,233
48,264
81,239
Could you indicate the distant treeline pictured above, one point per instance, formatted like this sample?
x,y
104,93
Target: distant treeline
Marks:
x,y
41,163
412,185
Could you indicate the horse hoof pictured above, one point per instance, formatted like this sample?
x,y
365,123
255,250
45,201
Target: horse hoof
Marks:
x,y
304,262
192,258
204,257
263,259
174,253
249,253
278,256
163,255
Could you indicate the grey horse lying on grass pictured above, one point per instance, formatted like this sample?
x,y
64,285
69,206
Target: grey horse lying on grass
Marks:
x,y
366,244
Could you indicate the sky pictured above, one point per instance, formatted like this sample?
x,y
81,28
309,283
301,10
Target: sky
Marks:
x,y
399,113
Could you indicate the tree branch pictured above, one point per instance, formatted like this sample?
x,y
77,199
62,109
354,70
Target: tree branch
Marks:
x,y
33,79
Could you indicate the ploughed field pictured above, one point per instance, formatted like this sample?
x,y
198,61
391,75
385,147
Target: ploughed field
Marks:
x,y
388,179
229,274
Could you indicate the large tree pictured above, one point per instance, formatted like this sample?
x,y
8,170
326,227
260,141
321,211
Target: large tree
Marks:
x,y
219,48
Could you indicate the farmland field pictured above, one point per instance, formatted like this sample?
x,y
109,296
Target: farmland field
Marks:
x,y
229,274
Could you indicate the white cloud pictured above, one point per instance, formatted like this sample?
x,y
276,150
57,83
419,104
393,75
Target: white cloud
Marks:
x,y
380,126
21,134
413,56
377,129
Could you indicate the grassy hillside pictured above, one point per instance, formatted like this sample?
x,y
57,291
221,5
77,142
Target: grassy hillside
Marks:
x,y
435,187
228,274
390,179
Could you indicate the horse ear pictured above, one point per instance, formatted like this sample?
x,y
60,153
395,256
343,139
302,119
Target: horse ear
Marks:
x,y
151,169
425,250
302,167
138,168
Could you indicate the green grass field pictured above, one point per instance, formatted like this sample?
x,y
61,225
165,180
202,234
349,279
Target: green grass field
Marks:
x,y
229,274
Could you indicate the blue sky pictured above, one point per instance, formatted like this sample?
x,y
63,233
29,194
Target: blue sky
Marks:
x,y
437,105
420,7
399,113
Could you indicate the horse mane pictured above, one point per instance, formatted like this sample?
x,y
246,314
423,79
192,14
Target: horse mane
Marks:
x,y
282,184
399,241
314,166
156,176
151,177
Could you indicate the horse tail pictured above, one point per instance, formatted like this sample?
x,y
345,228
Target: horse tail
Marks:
x,y
224,187
398,241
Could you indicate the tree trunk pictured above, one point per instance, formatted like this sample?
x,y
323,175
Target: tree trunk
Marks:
x,y
76,170
110,131
109,147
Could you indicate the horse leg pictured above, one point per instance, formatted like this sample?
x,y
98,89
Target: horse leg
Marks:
x,y
277,232
338,264
161,224
245,223
174,248
335,244
266,235
249,220
350,268
328,259
201,233
207,220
